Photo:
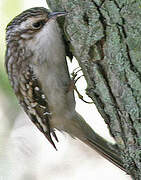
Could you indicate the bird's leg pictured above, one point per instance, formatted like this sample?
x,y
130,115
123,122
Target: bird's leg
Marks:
x,y
73,86
73,81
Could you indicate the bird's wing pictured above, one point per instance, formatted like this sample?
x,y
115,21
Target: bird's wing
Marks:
x,y
34,102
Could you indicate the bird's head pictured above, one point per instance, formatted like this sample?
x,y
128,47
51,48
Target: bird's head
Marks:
x,y
34,32
30,22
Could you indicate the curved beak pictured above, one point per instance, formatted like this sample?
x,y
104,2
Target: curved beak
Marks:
x,y
56,14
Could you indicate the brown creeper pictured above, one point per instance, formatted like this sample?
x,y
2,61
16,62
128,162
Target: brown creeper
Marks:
x,y
37,69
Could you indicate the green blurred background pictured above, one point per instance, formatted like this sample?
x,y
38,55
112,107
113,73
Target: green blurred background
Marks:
x,y
8,103
9,108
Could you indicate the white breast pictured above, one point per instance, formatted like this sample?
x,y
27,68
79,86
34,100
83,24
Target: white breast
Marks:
x,y
51,69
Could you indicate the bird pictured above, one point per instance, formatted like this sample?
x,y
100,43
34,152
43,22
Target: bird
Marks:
x,y
36,65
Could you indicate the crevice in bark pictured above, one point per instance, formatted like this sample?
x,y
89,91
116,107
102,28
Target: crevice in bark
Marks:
x,y
86,18
102,2
118,5
100,46
91,52
114,104
132,67
101,18
102,105
100,43
134,98
127,47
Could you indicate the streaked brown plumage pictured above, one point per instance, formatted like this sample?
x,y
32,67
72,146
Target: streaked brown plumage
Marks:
x,y
37,69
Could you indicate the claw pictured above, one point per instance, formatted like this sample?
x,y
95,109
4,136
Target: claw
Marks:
x,y
80,96
74,74
74,80
48,136
55,137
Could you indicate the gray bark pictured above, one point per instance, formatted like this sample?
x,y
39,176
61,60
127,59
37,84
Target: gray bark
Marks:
x,y
105,38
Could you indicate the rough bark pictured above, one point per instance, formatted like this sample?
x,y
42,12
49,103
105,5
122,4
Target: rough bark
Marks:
x,y
105,38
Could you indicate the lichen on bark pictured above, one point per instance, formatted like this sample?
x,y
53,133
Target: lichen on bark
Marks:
x,y
105,38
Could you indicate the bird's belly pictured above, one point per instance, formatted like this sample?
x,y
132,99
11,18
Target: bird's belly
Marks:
x,y
56,89
55,83
61,104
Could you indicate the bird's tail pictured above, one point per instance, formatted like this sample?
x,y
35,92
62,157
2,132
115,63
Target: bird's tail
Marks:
x,y
81,130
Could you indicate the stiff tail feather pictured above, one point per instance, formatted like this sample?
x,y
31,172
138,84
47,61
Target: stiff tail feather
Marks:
x,y
81,130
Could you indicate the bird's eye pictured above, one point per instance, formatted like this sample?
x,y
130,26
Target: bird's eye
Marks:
x,y
38,25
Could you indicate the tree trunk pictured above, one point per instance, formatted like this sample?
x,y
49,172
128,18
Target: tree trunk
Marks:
x,y
105,38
